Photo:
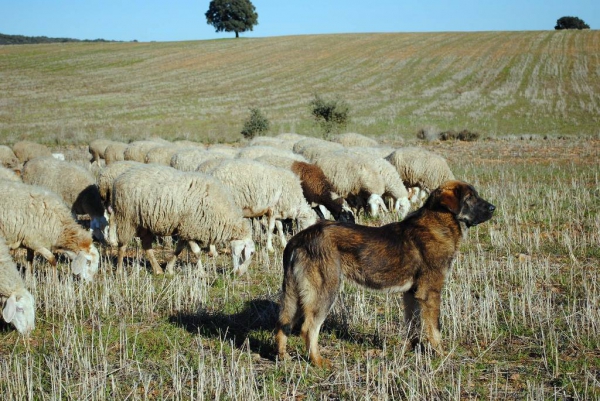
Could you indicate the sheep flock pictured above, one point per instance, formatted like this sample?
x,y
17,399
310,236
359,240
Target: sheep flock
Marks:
x,y
210,199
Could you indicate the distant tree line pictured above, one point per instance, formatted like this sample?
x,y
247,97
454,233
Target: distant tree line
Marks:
x,y
24,40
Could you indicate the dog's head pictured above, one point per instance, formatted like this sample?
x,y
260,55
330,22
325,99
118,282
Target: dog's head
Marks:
x,y
462,200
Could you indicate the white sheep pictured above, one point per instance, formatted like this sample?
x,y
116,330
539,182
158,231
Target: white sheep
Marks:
x,y
17,303
313,148
115,152
394,187
97,149
9,174
188,159
107,176
224,150
137,150
154,200
37,219
263,190
290,137
272,142
354,178
353,139
208,165
420,168
8,158
74,184
161,154
27,150
252,152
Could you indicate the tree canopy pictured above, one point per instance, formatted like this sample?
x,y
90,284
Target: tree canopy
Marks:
x,y
570,23
232,16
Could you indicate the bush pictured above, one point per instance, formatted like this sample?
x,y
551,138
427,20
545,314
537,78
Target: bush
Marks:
x,y
332,115
466,135
428,133
256,124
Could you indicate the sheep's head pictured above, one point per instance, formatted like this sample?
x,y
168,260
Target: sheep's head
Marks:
x,y
346,215
402,207
19,309
375,203
85,263
241,253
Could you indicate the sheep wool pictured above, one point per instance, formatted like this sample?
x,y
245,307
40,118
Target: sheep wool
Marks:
x,y
252,152
8,174
37,219
27,150
16,302
155,200
114,152
354,139
8,158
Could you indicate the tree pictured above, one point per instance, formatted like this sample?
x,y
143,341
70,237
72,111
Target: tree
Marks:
x,y
570,23
332,115
232,16
257,123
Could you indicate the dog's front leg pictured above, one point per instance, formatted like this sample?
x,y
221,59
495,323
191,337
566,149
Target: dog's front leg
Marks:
x,y
429,301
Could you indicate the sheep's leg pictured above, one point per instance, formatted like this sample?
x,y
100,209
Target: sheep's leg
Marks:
x,y
270,228
120,257
212,251
282,238
147,239
49,256
197,251
171,263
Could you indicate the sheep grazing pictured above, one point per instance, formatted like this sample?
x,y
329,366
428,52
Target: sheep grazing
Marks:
x,y
8,158
37,219
313,148
290,137
27,150
74,184
252,152
161,154
155,200
354,178
190,159
353,139
18,305
316,187
394,187
263,190
97,149
420,168
137,150
108,175
114,152
8,174
271,142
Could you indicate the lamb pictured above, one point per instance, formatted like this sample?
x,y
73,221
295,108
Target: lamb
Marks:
x,y
394,187
8,158
18,305
37,219
8,174
353,139
420,168
252,152
355,179
27,150
316,188
74,184
263,190
114,152
155,200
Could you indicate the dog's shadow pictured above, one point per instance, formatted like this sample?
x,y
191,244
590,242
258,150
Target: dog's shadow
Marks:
x,y
254,326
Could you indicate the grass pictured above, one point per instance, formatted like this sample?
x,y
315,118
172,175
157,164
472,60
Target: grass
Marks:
x,y
520,310
495,83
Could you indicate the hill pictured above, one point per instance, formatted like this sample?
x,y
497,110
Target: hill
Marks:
x,y
496,83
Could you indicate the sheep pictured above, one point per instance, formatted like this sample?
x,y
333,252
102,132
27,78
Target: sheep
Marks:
x,y
26,150
137,150
8,158
272,142
290,137
107,177
190,159
184,143
252,152
354,178
353,139
316,188
420,168
74,184
154,200
37,219
378,151
18,305
114,152
312,148
263,190
97,148
161,154
394,187
8,174
224,150
208,165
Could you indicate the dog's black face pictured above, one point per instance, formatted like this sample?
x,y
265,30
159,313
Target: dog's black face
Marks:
x,y
464,202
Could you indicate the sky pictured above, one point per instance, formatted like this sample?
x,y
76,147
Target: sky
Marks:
x,y
180,20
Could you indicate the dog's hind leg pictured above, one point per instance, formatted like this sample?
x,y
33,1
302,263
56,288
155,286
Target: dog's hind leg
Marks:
x,y
289,314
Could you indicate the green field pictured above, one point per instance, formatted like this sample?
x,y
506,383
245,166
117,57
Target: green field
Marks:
x,y
521,308
495,83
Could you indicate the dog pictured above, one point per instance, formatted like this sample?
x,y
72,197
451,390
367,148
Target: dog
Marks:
x,y
411,257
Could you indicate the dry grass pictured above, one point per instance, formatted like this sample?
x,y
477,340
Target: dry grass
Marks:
x,y
495,83
520,312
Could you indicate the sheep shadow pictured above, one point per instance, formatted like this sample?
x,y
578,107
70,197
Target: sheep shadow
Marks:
x,y
259,316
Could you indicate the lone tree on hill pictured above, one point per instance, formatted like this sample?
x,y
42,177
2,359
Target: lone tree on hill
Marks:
x,y
232,16
570,23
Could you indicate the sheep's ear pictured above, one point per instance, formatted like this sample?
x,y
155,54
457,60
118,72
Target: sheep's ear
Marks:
x,y
10,309
77,264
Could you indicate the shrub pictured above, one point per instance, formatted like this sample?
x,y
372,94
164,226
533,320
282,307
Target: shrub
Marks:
x,y
256,124
332,115
428,133
466,135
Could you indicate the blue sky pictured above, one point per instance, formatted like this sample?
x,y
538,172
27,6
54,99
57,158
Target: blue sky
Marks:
x,y
176,20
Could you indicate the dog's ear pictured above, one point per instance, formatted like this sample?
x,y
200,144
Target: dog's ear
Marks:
x,y
448,197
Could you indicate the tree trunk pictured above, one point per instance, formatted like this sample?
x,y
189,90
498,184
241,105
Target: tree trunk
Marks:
x,y
237,34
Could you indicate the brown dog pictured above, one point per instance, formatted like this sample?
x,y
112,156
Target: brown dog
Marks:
x,y
412,256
